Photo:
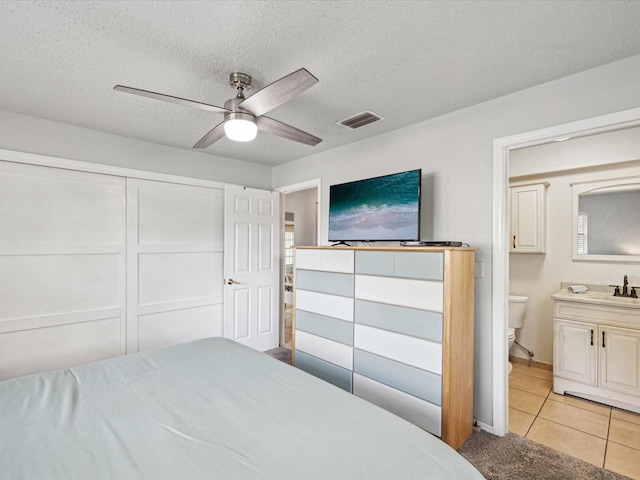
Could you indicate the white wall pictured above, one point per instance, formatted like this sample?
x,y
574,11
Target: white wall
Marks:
x,y
302,204
34,135
583,152
538,276
456,152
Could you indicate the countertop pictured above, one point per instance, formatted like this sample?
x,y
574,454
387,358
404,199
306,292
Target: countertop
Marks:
x,y
597,297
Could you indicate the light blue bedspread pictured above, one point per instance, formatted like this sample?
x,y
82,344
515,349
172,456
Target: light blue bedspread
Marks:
x,y
206,409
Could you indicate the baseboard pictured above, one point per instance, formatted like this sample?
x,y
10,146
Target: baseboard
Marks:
x,y
486,427
531,363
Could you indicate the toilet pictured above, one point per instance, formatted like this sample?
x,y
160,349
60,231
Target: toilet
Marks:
x,y
517,309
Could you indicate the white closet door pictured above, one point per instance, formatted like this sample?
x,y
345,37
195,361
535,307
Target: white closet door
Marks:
x,y
174,263
62,275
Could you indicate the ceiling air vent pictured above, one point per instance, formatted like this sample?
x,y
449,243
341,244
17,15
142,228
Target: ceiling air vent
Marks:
x,y
360,120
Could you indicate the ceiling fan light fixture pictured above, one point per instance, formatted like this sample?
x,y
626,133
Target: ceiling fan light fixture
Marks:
x,y
240,127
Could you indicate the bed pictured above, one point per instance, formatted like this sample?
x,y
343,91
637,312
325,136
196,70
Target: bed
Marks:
x,y
211,408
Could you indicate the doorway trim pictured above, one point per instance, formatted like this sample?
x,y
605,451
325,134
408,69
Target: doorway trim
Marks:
x,y
500,263
315,183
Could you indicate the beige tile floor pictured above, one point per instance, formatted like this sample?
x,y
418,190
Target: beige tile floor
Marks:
x,y
604,436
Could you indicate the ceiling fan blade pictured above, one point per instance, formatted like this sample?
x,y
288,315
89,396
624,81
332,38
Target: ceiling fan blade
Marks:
x,y
215,134
274,127
279,92
169,98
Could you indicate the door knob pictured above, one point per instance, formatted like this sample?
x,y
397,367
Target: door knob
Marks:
x,y
231,281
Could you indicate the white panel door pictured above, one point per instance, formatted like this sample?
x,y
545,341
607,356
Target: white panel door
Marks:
x,y
174,263
252,267
62,268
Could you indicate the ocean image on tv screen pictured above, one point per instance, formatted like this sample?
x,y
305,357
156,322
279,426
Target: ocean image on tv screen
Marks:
x,y
382,208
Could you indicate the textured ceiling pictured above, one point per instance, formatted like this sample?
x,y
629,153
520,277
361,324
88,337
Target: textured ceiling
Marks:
x,y
405,60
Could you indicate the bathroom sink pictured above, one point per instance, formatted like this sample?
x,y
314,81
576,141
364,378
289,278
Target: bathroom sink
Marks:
x,y
603,298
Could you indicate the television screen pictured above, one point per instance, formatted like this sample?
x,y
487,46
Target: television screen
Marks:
x,y
384,208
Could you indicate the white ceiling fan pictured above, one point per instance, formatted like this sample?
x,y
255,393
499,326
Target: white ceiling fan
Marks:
x,y
243,117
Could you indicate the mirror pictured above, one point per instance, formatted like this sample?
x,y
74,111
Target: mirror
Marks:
x,y
606,220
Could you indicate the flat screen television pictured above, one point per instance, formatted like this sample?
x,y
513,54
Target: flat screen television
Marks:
x,y
383,208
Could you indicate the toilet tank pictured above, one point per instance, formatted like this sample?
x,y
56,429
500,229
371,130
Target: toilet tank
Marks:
x,y
517,308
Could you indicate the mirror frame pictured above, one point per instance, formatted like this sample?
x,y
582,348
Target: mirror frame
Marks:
x,y
612,185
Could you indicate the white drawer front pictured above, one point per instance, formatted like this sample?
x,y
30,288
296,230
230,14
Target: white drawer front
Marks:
x,y
413,351
422,294
334,352
325,260
325,304
419,412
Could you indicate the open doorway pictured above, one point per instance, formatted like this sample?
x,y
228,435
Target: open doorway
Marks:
x,y
300,215
501,149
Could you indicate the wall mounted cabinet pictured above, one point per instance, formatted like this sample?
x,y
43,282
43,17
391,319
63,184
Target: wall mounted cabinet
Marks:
x,y
528,218
393,326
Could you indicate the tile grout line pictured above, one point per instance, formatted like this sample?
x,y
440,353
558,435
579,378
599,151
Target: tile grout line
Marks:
x,y
575,429
527,391
606,445
580,408
547,398
538,414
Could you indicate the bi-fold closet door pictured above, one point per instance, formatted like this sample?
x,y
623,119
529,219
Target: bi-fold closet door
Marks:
x,y
94,266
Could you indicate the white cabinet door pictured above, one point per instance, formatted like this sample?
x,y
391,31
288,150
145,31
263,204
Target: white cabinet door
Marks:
x,y
252,267
528,217
619,359
575,351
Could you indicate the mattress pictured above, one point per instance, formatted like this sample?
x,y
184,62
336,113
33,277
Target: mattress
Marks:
x,y
211,408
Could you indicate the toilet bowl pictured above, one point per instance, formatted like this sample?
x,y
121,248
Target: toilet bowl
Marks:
x,y
517,310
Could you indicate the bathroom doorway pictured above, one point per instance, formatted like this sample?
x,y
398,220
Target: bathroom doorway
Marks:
x,y
500,262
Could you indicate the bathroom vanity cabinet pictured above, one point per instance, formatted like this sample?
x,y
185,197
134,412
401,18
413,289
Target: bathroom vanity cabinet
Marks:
x,y
597,348
393,326
528,218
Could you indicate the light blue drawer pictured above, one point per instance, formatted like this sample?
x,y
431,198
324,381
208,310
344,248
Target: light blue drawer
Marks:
x,y
374,263
411,380
323,326
409,321
425,265
326,371
325,282
420,265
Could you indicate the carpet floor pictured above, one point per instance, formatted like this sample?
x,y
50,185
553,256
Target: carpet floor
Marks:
x,y
512,456
280,353
515,457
